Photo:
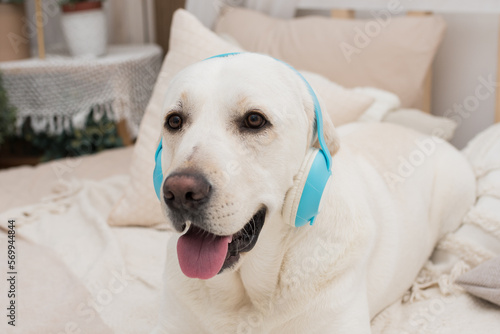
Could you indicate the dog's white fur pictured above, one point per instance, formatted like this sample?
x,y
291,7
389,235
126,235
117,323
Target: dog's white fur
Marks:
x,y
376,226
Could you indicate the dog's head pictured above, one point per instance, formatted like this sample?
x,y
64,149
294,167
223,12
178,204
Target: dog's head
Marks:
x,y
235,133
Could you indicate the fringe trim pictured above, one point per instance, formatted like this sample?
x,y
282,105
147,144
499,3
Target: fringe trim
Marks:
x,y
57,124
430,277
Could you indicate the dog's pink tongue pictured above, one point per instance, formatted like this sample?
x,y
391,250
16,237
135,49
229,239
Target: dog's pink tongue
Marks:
x,y
201,255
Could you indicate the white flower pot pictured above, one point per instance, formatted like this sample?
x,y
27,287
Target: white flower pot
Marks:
x,y
85,32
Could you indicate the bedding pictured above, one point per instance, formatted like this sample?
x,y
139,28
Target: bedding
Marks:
x,y
436,303
78,272
28,185
75,272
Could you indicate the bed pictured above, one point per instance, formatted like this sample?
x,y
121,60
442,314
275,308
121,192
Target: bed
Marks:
x,y
91,240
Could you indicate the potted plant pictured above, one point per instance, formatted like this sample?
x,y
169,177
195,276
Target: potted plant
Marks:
x,y
7,115
13,151
84,27
14,41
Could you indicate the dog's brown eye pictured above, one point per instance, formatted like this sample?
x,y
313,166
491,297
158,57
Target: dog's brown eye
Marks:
x,y
174,122
254,120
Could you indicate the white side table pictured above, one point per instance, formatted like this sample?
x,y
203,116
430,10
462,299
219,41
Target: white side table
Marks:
x,y
59,92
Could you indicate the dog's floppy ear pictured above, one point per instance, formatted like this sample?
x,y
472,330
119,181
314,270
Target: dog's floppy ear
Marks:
x,y
329,132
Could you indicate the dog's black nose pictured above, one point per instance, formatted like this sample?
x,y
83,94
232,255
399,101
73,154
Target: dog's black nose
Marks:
x,y
186,190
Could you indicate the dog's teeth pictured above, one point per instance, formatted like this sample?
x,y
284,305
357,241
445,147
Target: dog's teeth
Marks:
x,y
188,225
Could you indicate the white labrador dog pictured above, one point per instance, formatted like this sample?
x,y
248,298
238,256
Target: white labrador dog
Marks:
x,y
235,135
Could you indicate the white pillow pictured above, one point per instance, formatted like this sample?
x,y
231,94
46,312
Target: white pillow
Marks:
x,y
431,125
342,104
190,42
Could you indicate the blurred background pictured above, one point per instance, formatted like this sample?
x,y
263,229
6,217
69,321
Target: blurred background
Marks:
x,y
79,83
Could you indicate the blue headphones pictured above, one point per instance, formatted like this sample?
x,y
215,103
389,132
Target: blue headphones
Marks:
x,y
302,201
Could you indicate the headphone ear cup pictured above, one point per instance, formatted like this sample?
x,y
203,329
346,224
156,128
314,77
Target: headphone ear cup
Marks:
x,y
294,194
158,172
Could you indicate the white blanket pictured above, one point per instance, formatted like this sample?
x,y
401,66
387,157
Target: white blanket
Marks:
x,y
113,274
435,304
76,272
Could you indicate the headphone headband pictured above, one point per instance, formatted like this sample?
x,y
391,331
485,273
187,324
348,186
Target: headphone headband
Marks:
x,y
317,109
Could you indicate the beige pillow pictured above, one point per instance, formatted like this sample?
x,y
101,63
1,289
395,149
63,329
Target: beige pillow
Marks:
x,y
190,42
394,56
